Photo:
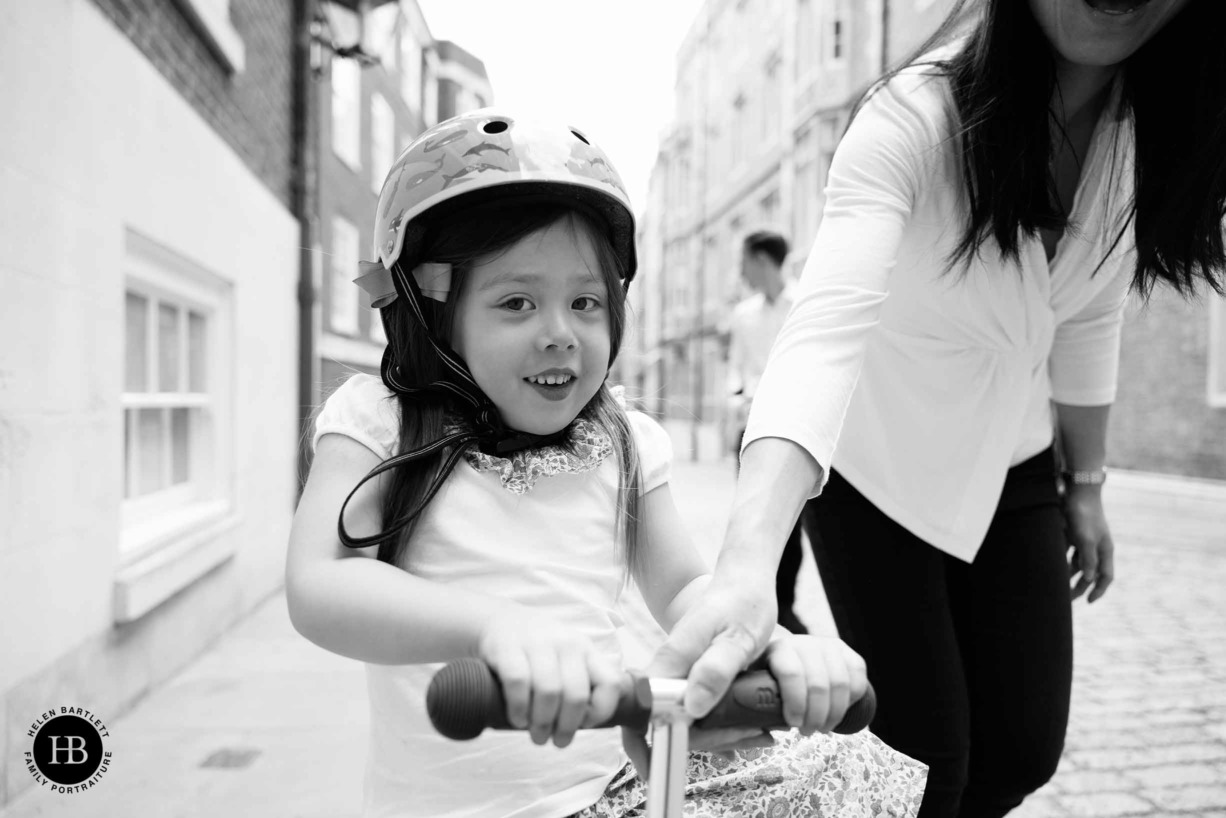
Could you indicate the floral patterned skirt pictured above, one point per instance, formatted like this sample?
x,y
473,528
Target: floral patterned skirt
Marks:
x,y
824,775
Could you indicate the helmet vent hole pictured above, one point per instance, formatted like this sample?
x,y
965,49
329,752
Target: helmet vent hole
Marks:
x,y
580,137
494,126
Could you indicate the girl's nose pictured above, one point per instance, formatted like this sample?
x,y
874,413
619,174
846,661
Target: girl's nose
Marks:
x,y
558,332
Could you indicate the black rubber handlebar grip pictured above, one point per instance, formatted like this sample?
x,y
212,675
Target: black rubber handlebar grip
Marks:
x,y
465,697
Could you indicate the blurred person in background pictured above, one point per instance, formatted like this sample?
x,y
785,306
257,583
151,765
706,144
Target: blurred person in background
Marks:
x,y
956,333
755,323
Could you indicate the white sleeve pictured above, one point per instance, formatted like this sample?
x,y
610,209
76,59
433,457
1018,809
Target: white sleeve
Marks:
x,y
877,170
655,450
364,409
1085,353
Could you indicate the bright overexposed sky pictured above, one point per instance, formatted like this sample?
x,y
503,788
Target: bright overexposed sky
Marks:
x,y
604,66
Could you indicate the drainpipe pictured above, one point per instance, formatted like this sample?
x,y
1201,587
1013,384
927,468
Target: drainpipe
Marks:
x,y
307,61
885,35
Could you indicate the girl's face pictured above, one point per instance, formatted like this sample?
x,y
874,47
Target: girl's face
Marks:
x,y
1102,32
533,325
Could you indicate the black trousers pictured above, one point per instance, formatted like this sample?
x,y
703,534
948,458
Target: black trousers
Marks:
x,y
972,663
785,581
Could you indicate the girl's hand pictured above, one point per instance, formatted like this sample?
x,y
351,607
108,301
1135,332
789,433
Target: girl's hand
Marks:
x,y
554,681
819,678
1085,526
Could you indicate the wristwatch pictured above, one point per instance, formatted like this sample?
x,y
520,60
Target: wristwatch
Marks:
x,y
1089,477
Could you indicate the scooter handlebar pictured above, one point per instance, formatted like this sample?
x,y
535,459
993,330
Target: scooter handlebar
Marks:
x,y
465,697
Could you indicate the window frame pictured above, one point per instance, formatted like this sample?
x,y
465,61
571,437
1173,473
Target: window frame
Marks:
x,y
382,140
345,77
834,27
161,276
212,19
1215,358
411,60
137,507
344,303
741,124
429,94
170,538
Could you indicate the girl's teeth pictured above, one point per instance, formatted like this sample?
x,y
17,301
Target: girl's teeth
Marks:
x,y
551,380
1116,6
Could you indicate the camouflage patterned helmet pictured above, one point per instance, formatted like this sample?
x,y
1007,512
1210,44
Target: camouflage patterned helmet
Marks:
x,y
485,154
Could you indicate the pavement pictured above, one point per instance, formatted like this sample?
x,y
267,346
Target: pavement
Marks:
x,y
265,723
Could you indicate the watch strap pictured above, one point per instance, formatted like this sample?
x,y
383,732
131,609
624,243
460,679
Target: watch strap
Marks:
x,y
1085,477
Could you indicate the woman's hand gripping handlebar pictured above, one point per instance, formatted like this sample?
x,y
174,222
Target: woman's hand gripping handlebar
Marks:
x,y
465,697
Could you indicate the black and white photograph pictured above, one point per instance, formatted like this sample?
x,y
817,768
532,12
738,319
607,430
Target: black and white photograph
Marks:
x,y
591,409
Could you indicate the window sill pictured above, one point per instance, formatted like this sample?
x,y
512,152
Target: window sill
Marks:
x,y
169,554
213,23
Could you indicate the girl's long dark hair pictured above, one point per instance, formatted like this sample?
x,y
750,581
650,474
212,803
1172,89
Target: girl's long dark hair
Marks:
x,y
469,235
1174,89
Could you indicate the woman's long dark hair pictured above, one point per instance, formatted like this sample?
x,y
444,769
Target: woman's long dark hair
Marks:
x,y
467,236
1174,88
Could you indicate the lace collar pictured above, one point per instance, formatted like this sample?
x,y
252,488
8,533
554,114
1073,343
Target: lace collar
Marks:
x,y
586,447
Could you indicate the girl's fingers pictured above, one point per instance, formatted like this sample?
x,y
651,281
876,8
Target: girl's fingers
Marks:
x,y
790,672
606,680
838,688
513,669
817,695
857,670
546,694
575,690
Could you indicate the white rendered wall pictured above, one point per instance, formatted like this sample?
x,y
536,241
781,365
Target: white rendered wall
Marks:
x,y
95,143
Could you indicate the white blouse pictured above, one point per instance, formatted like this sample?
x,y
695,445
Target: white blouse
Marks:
x,y
920,386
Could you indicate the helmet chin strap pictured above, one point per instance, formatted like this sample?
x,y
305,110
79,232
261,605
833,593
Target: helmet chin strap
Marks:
x,y
457,389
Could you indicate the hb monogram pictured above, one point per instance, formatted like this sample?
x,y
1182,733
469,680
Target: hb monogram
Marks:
x,y
75,744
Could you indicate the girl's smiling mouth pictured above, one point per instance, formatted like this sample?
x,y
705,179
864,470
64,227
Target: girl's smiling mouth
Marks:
x,y
553,384
1116,6
550,379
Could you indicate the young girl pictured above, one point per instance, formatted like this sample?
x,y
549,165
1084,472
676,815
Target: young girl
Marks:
x,y
511,495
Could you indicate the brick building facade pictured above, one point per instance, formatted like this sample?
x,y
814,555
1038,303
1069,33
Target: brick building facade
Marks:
x,y
1170,413
252,110
364,116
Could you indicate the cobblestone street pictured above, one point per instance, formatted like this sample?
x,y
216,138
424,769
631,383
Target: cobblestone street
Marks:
x,y
1148,731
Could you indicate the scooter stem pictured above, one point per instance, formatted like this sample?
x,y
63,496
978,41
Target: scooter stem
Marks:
x,y
670,734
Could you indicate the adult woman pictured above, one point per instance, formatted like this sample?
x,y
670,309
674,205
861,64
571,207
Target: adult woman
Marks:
x,y
1004,192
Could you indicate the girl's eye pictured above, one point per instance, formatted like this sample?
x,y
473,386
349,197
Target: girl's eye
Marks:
x,y
515,304
585,303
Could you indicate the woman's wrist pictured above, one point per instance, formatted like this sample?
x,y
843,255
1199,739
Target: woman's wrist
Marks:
x,y
1084,477
743,559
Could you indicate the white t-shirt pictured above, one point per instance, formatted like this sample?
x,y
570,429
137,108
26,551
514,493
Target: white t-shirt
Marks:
x,y
934,383
551,548
755,325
